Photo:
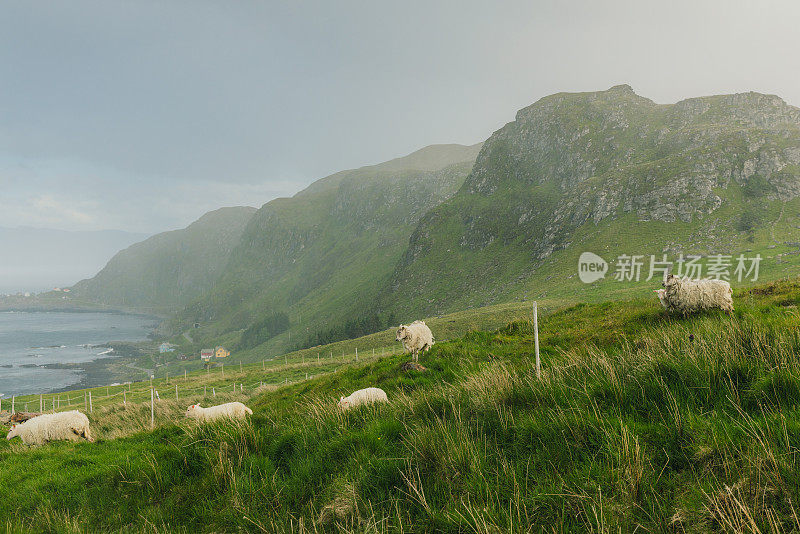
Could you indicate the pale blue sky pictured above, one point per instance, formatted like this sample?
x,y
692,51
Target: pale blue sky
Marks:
x,y
142,115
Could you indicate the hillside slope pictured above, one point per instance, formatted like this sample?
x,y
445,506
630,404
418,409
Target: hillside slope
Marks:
x,y
613,173
640,422
321,255
163,273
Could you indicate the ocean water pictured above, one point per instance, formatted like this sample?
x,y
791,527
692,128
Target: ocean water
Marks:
x,y
29,340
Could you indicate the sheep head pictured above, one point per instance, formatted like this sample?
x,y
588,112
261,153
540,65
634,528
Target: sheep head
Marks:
x,y
670,280
12,433
343,403
402,333
191,411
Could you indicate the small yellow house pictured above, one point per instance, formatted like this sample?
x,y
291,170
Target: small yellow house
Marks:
x,y
221,352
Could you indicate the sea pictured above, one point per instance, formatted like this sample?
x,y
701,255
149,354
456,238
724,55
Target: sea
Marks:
x,y
31,340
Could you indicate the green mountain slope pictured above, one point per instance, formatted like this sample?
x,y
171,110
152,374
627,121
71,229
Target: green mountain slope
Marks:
x,y
168,270
322,255
613,173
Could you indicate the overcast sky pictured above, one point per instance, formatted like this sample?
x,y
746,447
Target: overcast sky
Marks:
x,y
142,115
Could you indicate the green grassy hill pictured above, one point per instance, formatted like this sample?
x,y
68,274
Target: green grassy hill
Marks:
x,y
612,173
608,172
640,421
163,273
322,255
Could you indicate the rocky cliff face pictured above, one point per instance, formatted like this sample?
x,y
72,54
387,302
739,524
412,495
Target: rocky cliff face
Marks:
x,y
572,160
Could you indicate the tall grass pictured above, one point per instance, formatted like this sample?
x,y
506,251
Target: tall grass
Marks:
x,y
640,422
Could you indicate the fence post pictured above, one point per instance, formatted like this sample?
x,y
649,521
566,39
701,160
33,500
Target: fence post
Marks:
x,y
41,403
124,398
85,402
356,353
185,375
536,338
13,399
152,409
90,402
214,391
318,357
223,369
262,365
176,391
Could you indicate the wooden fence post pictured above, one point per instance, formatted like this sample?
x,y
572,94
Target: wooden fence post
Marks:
x,y
223,369
536,338
214,391
124,398
13,399
356,353
90,402
176,391
85,402
41,403
152,409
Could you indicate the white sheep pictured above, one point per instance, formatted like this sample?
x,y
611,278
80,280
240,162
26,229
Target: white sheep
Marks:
x,y
416,338
684,295
232,410
72,426
363,396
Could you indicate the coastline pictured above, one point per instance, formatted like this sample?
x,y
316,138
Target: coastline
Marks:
x,y
125,364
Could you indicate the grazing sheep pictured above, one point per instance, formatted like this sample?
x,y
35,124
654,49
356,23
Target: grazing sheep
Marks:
x,y
416,338
684,295
38,430
232,410
363,396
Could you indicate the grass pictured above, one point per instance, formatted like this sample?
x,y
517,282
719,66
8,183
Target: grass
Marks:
x,y
640,421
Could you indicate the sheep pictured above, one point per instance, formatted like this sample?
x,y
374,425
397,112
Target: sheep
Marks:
x,y
416,338
232,410
363,396
72,426
686,296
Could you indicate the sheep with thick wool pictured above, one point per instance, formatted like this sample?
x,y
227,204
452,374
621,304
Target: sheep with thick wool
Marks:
x,y
686,296
72,426
363,396
229,410
416,338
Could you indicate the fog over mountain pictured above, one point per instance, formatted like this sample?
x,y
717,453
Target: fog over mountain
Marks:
x,y
38,259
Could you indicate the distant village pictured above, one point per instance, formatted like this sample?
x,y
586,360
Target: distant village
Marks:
x,y
206,354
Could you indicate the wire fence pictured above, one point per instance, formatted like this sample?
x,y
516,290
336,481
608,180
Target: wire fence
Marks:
x,y
208,382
